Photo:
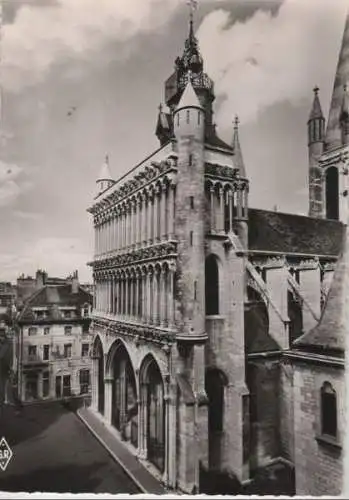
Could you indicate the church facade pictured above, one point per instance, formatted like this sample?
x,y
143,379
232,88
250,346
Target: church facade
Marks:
x,y
212,351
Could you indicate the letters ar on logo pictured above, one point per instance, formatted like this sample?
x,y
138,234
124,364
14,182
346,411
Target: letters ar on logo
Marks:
x,y
5,454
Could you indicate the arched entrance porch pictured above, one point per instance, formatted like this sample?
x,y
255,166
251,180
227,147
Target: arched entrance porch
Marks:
x,y
124,411
153,413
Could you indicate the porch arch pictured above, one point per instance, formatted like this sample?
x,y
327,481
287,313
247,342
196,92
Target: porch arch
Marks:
x,y
124,414
153,412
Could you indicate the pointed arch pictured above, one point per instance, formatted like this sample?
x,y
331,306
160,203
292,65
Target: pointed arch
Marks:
x,y
152,401
124,415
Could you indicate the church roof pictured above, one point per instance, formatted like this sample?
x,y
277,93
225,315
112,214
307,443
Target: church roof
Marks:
x,y
288,233
189,99
329,334
215,141
316,111
333,132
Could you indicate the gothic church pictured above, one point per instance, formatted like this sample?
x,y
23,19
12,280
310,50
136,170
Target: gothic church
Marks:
x,y
218,335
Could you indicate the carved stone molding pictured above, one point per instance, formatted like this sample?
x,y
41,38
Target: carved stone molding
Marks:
x,y
138,333
156,171
155,252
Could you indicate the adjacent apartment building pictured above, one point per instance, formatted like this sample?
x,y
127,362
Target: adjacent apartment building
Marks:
x,y
52,342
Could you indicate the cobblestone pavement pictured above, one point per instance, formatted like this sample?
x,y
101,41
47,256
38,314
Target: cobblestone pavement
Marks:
x,y
54,452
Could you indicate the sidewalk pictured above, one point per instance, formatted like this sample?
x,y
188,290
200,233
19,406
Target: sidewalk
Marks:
x,y
146,482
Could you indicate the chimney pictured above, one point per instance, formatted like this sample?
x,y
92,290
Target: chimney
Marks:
x,y
40,278
75,282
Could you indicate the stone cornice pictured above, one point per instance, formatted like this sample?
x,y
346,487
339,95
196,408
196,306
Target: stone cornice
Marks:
x,y
149,174
139,333
226,174
313,358
334,157
160,251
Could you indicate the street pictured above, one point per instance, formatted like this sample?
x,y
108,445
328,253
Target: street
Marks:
x,y
54,452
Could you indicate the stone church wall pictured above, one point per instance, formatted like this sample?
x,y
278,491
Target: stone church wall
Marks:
x,y
318,464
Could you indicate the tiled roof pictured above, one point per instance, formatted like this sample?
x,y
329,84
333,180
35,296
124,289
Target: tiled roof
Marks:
x,y
215,141
329,334
58,295
287,233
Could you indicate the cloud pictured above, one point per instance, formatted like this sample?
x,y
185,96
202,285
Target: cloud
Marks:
x,y
58,256
271,58
12,183
39,37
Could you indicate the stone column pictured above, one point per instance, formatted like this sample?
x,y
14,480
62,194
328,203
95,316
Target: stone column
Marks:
x,y
137,284
163,209
149,218
108,393
131,295
230,194
156,295
150,296
144,221
170,297
171,209
221,210
162,314
239,202
152,217
119,230
94,384
139,222
142,421
144,311
157,215
121,288
212,203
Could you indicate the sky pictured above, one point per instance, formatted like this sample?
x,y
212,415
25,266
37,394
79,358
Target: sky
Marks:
x,y
84,78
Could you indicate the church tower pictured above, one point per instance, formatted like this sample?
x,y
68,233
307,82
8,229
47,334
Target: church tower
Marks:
x,y
316,133
332,166
189,126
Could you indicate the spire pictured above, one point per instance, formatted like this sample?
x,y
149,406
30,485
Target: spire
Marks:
x,y
192,7
333,137
333,328
104,179
316,111
238,159
189,99
104,173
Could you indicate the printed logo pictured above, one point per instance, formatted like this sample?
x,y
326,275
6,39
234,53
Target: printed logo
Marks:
x,y
5,454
